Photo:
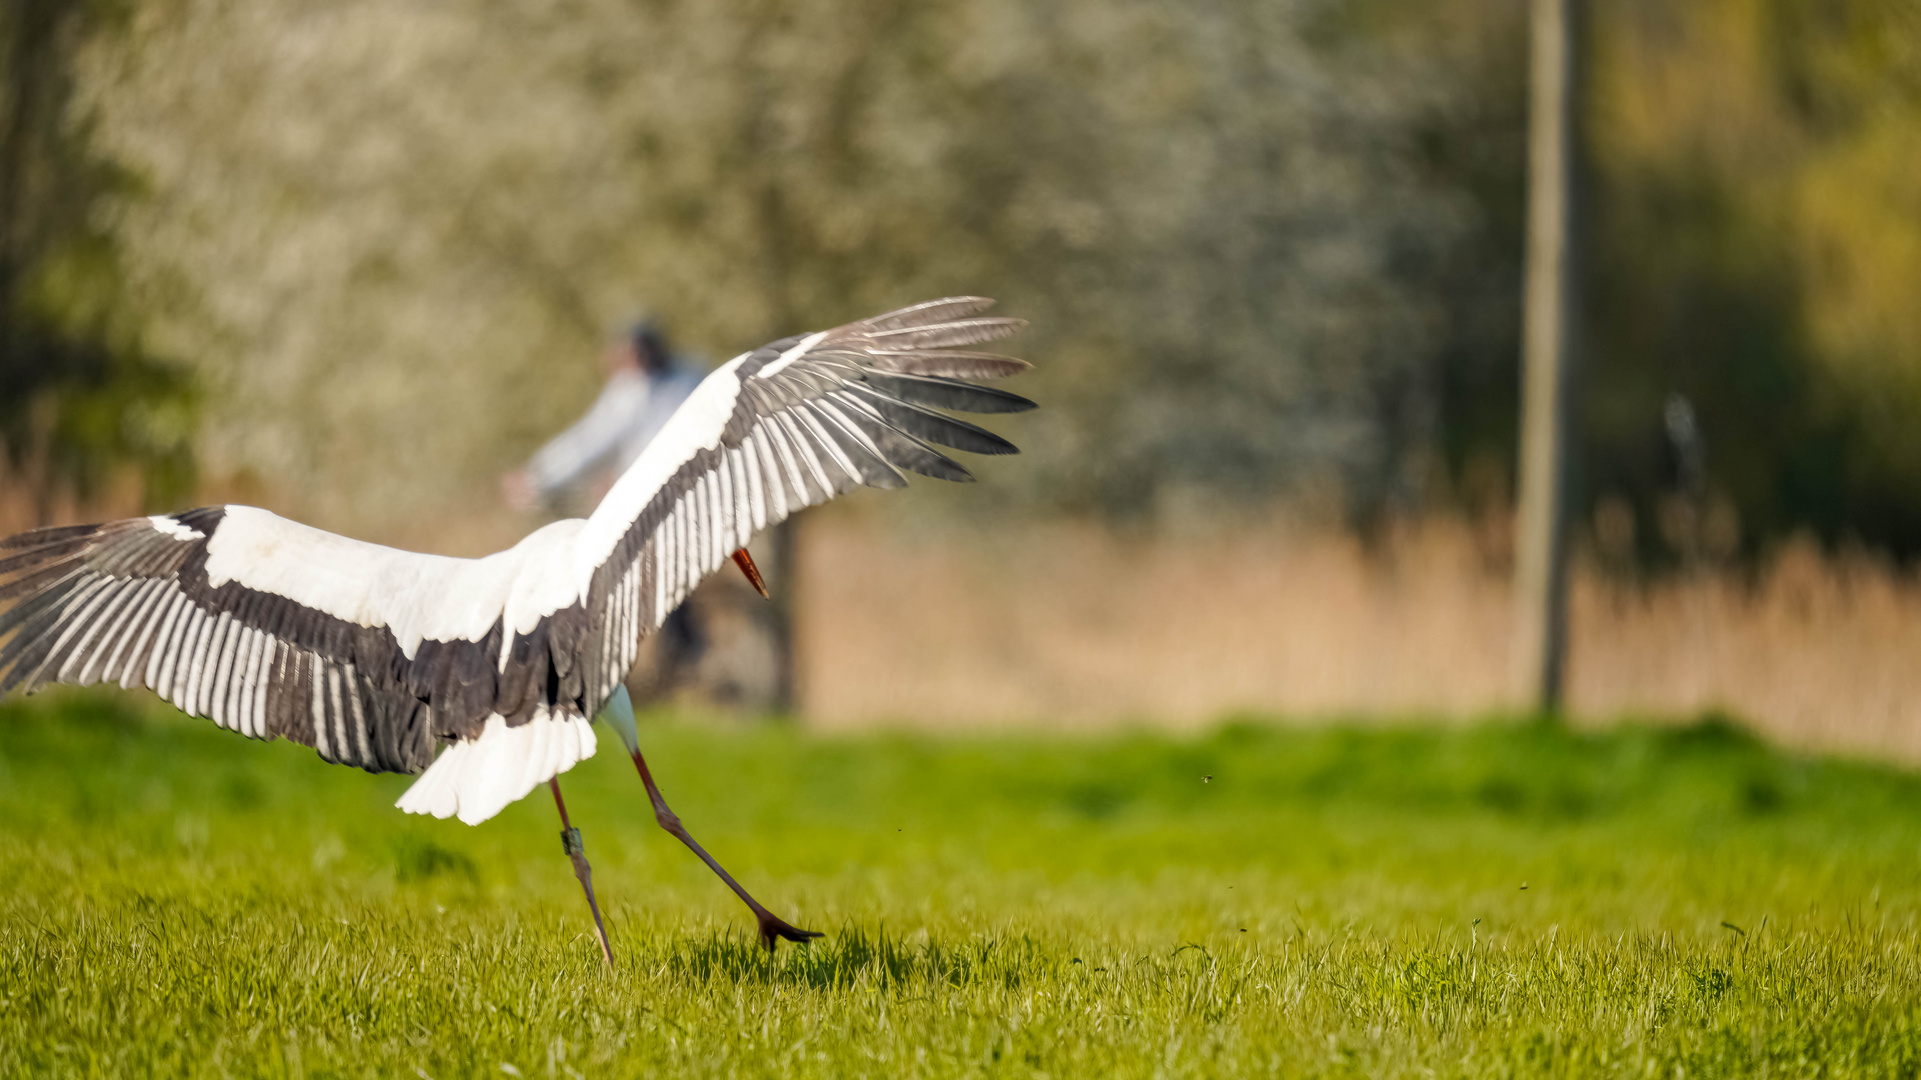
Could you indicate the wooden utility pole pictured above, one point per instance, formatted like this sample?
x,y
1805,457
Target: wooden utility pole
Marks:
x,y
1547,377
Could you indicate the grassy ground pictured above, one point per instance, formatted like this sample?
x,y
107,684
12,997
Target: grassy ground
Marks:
x,y
1493,901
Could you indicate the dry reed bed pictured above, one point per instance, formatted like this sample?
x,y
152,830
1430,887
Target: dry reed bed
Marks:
x,y
1073,626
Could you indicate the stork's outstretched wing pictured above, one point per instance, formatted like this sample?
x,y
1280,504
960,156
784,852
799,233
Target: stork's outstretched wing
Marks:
x,y
789,425
372,656
377,657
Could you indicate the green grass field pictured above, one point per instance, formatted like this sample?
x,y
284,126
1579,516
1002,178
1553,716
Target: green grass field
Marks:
x,y
1501,900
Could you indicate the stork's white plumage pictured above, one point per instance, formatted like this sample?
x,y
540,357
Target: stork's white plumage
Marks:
x,y
379,658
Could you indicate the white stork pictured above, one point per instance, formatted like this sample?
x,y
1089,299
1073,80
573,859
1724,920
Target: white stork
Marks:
x,y
380,658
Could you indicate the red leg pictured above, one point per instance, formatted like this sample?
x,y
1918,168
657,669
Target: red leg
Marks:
x,y
577,851
772,927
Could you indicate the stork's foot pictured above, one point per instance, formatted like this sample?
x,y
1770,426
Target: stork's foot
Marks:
x,y
772,929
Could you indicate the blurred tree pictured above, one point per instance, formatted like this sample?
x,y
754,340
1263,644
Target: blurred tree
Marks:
x,y
1755,241
79,398
1761,247
1461,66
399,218
1267,247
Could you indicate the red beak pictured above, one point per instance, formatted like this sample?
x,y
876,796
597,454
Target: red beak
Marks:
x,y
746,564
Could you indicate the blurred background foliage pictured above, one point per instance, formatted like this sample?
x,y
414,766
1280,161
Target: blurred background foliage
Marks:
x,y
83,403
1271,250
1757,245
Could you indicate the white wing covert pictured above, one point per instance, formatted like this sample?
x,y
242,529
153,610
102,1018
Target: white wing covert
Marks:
x,y
372,656
131,602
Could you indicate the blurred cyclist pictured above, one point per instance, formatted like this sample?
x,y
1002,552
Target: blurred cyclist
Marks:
x,y
646,382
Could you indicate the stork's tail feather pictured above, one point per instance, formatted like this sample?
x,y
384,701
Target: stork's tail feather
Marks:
x,y
475,779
